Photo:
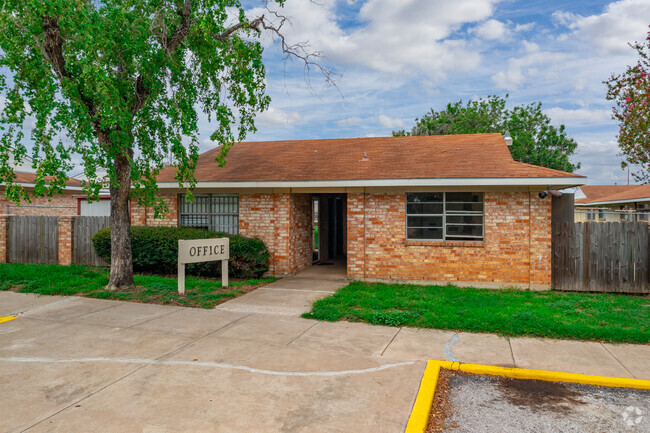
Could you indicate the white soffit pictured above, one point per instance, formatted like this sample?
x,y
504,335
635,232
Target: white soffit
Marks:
x,y
563,182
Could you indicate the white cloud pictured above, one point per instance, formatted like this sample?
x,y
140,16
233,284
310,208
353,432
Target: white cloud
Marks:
x,y
524,27
396,37
274,116
578,116
534,62
389,122
492,29
600,161
350,121
621,22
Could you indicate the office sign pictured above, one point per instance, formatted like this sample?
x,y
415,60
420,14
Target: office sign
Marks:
x,y
203,250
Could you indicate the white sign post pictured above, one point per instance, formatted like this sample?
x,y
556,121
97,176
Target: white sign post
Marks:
x,y
203,250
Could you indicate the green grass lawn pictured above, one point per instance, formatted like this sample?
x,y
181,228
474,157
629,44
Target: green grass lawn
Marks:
x,y
90,281
580,316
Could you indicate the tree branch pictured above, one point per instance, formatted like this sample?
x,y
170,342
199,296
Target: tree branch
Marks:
x,y
169,43
52,48
298,51
183,29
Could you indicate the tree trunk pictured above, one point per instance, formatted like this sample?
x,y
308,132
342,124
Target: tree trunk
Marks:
x,y
121,277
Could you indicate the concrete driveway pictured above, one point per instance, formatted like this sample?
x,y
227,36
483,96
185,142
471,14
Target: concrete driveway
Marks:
x,y
88,365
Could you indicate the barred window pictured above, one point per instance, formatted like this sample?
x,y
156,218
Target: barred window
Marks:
x,y
218,212
453,216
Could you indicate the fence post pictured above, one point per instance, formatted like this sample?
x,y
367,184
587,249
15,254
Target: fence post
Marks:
x,y
4,238
66,228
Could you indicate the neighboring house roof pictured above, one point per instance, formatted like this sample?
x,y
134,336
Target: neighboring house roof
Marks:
x,y
423,160
29,180
614,194
596,192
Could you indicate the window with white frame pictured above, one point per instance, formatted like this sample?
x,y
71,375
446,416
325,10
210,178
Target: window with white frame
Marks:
x,y
451,216
217,212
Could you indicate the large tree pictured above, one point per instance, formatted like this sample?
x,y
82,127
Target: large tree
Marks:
x,y
120,85
630,92
535,139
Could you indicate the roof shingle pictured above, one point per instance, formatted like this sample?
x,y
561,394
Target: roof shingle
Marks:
x,y
421,157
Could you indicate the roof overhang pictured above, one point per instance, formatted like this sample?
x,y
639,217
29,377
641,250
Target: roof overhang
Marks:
x,y
33,185
629,200
555,182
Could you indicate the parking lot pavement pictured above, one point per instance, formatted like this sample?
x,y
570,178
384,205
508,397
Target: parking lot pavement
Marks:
x,y
79,364
487,404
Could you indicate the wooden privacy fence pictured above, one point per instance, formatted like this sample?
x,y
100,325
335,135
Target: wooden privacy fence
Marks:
x,y
601,257
33,239
83,251
50,239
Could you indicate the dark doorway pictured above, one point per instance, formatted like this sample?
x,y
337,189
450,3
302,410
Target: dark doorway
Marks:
x,y
332,226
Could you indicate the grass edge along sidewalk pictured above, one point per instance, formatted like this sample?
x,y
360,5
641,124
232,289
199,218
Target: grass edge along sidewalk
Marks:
x,y
79,280
419,418
580,316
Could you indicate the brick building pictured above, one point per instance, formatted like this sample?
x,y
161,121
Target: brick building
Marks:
x,y
66,203
452,208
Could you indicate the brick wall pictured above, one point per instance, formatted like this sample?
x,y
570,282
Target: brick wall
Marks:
x,y
4,232
144,215
60,204
283,222
301,235
66,233
516,249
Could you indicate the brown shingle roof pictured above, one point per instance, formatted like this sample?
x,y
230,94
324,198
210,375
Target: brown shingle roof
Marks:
x,y
31,178
422,157
596,192
614,193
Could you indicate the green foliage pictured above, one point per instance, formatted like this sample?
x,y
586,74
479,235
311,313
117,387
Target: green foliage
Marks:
x,y
630,92
155,249
124,79
581,316
87,281
535,140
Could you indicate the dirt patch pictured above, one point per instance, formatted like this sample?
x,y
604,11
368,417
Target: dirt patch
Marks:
x,y
441,409
539,395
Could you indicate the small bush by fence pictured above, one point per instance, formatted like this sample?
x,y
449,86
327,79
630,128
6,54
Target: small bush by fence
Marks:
x,y
155,249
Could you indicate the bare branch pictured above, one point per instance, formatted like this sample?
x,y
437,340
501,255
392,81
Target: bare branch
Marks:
x,y
254,25
299,51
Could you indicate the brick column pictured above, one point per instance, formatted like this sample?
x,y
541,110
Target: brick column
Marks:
x,y
66,226
4,234
356,233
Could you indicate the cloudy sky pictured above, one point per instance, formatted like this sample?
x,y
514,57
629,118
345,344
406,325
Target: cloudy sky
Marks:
x,y
399,59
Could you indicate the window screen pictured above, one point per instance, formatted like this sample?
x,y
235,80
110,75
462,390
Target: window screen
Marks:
x,y
454,216
216,212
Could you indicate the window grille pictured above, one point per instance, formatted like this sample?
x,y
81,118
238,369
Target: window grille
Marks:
x,y
217,212
453,216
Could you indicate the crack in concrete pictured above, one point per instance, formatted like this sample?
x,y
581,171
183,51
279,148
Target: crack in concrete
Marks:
x,y
448,353
206,364
29,310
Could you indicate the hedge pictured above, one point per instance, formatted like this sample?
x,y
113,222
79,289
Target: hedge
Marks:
x,y
155,250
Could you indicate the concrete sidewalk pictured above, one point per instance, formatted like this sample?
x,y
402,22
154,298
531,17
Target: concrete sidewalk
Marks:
x,y
78,365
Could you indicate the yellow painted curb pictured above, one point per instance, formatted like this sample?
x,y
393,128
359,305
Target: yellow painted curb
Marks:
x,y
419,418
555,376
7,318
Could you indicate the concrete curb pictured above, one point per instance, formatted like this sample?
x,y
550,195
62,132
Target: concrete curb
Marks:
x,y
419,418
7,318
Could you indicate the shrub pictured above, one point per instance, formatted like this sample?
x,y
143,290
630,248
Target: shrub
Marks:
x,y
155,250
